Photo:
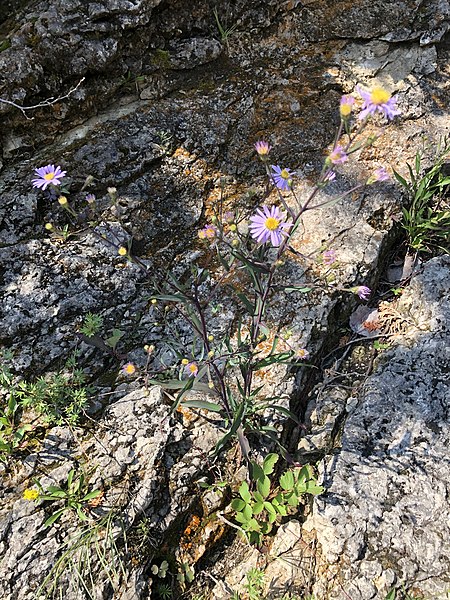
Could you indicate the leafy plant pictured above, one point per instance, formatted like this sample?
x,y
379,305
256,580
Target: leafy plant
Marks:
x,y
60,397
257,510
12,430
224,31
243,257
74,495
92,324
427,219
255,584
165,591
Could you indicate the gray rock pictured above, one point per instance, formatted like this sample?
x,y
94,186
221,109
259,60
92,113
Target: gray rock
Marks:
x,y
385,509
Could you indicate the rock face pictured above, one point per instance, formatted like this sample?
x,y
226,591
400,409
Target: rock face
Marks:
x,y
167,113
384,519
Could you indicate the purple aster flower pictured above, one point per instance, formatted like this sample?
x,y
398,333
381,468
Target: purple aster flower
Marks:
x,y
90,198
362,291
267,224
302,353
262,148
191,369
47,175
337,156
378,175
282,177
378,100
346,105
329,177
329,257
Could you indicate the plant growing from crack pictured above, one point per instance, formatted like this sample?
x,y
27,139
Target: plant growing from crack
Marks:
x,y
258,509
250,258
74,496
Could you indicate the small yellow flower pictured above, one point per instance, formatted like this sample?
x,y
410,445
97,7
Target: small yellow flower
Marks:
x,y
149,349
185,361
211,385
210,338
122,251
235,243
233,227
48,226
63,200
30,494
210,353
154,301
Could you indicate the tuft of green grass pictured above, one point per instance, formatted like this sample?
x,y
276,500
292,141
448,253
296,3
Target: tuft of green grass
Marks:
x,y
224,31
427,218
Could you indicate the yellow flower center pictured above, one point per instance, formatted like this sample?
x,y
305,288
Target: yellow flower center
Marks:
x,y
193,368
345,109
285,174
122,251
129,369
379,96
49,176
271,223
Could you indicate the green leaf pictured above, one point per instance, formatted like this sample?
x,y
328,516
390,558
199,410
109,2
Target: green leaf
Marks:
x,y
115,337
82,516
256,471
247,512
244,492
55,516
91,495
253,525
202,404
269,463
274,358
247,304
400,179
287,481
240,518
270,509
417,162
70,477
223,261
292,499
237,504
391,595
315,489
258,497
263,486
258,507
284,411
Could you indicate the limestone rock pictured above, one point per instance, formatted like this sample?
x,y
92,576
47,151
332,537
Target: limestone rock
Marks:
x,y
384,518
